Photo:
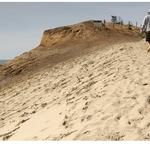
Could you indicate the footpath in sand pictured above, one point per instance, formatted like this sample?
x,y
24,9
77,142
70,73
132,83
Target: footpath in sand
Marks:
x,y
104,95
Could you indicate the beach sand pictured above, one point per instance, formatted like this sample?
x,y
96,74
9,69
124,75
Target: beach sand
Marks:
x,y
104,95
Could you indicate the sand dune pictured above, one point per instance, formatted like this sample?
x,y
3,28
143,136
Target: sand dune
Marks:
x,y
101,95
63,43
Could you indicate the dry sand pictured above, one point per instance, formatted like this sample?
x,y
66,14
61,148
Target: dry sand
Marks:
x,y
104,95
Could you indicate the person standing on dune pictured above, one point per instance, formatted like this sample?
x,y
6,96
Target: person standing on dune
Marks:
x,y
146,28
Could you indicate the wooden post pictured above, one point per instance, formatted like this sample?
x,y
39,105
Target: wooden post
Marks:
x,y
129,26
136,25
104,23
113,25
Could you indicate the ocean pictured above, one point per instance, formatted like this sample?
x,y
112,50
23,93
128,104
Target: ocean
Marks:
x,y
3,61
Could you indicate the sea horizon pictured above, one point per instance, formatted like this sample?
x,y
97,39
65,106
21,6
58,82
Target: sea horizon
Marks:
x,y
3,61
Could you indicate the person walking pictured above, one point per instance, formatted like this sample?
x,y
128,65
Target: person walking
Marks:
x,y
146,28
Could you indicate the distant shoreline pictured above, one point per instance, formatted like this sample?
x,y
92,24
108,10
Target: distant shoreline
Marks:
x,y
3,61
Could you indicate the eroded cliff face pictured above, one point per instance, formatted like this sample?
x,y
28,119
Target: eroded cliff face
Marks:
x,y
85,32
63,43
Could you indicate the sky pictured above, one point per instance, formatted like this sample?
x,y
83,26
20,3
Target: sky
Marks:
x,y
22,24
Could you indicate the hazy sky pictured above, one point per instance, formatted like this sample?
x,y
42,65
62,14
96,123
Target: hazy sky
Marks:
x,y
22,24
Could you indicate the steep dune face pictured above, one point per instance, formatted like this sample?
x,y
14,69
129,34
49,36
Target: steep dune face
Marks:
x,y
95,87
60,44
103,95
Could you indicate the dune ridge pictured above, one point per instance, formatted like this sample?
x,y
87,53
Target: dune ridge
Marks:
x,y
101,93
63,43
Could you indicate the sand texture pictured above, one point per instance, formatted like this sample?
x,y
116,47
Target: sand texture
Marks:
x,y
101,95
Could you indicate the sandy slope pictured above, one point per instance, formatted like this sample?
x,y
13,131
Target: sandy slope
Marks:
x,y
100,96
63,43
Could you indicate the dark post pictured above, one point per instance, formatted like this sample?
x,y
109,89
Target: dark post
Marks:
x,y
104,23
136,25
129,26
